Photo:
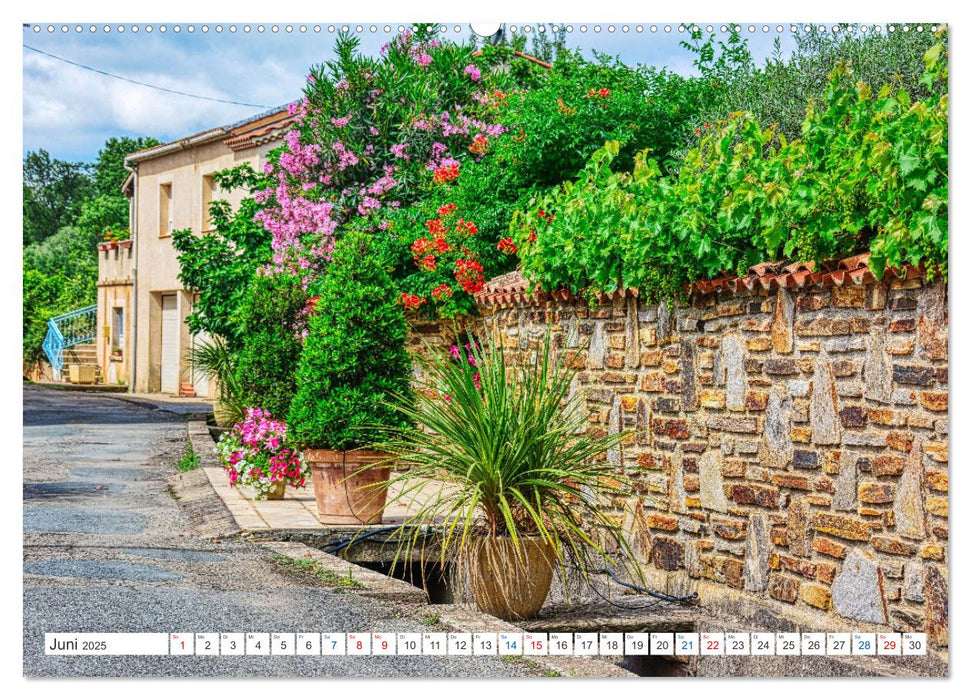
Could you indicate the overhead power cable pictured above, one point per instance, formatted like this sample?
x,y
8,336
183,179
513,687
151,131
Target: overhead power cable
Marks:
x,y
138,82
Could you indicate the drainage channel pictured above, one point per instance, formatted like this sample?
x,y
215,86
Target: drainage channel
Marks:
x,y
438,584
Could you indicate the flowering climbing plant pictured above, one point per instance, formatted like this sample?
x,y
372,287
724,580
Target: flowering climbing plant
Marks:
x,y
255,453
372,135
445,261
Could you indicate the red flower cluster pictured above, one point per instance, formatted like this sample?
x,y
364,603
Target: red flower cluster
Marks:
x,y
506,246
466,227
411,301
444,251
602,93
469,275
446,173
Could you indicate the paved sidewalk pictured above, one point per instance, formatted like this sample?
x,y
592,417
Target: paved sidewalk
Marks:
x,y
298,509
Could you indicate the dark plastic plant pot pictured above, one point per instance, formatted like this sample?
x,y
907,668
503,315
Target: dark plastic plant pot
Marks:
x,y
345,486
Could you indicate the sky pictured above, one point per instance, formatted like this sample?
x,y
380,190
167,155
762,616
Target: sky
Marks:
x,y
70,111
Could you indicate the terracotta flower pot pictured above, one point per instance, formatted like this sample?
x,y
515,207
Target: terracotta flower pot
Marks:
x,y
343,487
508,584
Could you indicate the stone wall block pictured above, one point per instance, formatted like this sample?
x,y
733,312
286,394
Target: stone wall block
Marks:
x,y
782,322
735,383
908,506
932,322
823,405
757,546
712,486
777,429
799,532
858,590
846,489
597,349
633,335
689,364
935,592
876,367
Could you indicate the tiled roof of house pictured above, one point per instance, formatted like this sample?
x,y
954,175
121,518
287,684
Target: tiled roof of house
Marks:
x,y
513,288
246,133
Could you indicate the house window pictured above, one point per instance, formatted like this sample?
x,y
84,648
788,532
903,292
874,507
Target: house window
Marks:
x,y
117,328
165,209
208,195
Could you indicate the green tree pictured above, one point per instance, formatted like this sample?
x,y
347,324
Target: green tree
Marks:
x,y
776,93
219,265
109,169
53,192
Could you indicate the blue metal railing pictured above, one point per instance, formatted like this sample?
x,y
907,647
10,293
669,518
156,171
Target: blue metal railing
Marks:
x,y
73,328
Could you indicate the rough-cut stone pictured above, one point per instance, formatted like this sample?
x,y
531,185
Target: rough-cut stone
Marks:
x,y
914,375
784,588
596,350
875,493
932,324
782,322
823,409
712,487
828,547
757,553
689,394
755,495
735,384
677,496
842,526
913,588
845,497
799,532
667,553
778,428
798,388
663,323
805,459
935,591
631,330
909,503
858,590
816,596
876,372
888,545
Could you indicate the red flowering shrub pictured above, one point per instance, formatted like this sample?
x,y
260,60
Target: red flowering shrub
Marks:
x,y
445,266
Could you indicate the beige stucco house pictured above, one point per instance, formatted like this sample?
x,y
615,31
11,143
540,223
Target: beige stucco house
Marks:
x,y
143,338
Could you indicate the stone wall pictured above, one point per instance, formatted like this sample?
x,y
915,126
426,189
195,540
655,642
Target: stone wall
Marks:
x,y
789,448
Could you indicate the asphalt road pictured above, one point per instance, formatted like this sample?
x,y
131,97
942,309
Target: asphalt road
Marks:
x,y
107,549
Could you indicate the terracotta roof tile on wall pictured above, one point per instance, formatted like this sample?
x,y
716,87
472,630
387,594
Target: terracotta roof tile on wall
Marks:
x,y
513,288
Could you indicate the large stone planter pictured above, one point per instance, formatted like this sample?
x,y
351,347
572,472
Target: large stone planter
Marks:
x,y
346,487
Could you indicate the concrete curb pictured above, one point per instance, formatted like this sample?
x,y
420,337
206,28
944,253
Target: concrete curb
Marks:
x,y
208,515
458,617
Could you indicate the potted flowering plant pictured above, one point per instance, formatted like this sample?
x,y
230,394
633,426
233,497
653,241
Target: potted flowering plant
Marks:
x,y
353,361
255,453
